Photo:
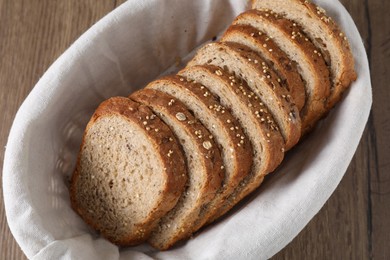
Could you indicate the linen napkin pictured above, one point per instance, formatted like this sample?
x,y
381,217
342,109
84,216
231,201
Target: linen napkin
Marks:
x,y
129,47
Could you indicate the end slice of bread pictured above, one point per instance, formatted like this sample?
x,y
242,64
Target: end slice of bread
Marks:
x,y
204,164
128,175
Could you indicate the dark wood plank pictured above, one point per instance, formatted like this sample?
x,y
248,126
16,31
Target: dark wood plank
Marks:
x,y
32,35
379,125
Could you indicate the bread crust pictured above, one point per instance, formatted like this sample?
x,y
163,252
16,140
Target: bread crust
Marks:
x,y
315,107
317,16
174,167
212,172
236,148
242,153
275,58
269,90
268,132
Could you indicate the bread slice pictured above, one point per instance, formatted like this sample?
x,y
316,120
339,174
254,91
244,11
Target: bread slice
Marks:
x,y
311,64
261,80
258,123
204,163
274,57
234,145
128,174
324,33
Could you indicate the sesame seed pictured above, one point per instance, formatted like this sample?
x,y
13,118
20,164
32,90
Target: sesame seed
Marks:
x,y
270,50
264,45
252,34
207,145
218,72
181,79
228,121
147,128
156,130
180,116
144,122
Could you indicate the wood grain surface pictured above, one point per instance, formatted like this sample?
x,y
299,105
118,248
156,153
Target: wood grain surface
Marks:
x,y
353,224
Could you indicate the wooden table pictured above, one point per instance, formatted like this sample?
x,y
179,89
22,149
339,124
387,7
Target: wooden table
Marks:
x,y
353,224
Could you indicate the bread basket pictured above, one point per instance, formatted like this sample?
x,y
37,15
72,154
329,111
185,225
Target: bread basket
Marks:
x,y
129,47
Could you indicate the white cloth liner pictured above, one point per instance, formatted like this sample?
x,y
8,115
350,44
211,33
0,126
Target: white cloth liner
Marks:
x,y
123,51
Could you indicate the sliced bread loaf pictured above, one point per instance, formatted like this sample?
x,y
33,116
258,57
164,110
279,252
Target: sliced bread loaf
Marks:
x,y
128,175
324,33
274,57
261,80
258,123
204,164
234,145
311,64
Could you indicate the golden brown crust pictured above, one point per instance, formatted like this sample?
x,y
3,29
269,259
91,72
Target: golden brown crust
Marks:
x,y
236,147
317,15
315,107
206,147
269,89
348,66
164,141
268,129
274,57
242,154
268,132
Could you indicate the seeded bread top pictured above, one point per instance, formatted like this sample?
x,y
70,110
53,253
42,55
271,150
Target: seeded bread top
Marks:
x,y
260,78
325,34
204,164
299,48
275,58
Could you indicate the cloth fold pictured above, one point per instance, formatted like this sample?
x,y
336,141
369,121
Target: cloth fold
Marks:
x,y
129,47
